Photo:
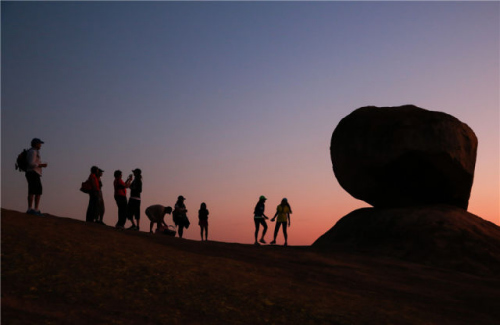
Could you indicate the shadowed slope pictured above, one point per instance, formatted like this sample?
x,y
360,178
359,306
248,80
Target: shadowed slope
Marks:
x,y
63,271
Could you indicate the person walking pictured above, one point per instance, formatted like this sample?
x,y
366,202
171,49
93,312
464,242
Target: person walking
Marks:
x,y
260,219
156,214
134,203
94,194
121,197
283,212
180,215
33,176
203,220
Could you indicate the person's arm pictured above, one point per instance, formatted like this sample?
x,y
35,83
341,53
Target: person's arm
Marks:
x,y
288,214
127,182
275,215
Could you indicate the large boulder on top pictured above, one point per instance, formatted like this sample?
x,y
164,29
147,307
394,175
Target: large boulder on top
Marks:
x,y
438,235
404,156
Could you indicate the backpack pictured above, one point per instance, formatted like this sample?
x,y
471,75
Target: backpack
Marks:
x,y
86,186
22,161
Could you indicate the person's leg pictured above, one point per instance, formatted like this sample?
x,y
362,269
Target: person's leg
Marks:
x,y
206,232
285,233
31,195
37,202
181,230
30,202
120,200
276,229
92,208
201,232
34,191
130,213
257,226
264,224
137,213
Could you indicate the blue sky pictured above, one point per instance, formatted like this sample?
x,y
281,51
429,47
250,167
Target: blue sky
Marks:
x,y
225,101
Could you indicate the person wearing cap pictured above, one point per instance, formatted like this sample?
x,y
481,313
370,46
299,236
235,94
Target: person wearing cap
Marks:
x,y
180,215
260,219
134,203
33,176
94,194
283,212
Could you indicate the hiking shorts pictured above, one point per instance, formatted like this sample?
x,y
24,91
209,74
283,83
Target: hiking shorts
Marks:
x,y
134,209
260,221
34,183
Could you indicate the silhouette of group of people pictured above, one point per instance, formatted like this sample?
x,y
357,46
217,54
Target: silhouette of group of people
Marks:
x,y
131,209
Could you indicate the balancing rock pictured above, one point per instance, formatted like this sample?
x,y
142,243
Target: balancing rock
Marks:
x,y
404,156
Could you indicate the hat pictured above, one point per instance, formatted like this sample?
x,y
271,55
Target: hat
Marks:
x,y
36,141
95,169
181,198
137,170
262,197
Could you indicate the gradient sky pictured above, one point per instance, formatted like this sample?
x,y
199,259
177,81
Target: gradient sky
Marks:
x,y
222,102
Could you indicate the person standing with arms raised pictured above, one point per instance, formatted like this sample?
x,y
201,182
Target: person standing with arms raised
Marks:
x,y
134,203
121,197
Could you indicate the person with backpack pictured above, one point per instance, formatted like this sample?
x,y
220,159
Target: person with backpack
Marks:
x,y
33,166
94,195
283,212
260,219
180,215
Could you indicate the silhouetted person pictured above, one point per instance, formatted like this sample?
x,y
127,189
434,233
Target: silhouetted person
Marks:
x,y
94,193
283,213
180,217
203,220
260,219
156,214
121,197
100,214
33,176
134,203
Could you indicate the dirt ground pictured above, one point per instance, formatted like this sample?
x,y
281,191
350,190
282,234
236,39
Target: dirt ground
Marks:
x,y
62,271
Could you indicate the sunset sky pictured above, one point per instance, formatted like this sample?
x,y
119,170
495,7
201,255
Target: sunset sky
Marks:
x,y
222,102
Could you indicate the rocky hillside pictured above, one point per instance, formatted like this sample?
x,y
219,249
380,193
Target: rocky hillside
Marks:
x,y
61,271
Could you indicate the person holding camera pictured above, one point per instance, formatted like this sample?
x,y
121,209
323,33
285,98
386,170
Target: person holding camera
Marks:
x,y
134,203
121,197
